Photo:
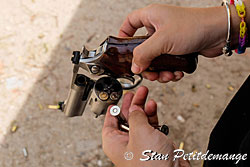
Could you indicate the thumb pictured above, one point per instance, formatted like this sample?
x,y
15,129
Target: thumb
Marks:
x,y
146,52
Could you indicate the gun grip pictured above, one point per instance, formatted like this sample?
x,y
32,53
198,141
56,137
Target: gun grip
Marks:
x,y
119,54
165,62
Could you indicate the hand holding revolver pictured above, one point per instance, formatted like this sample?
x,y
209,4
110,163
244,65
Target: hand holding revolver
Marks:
x,y
101,75
177,31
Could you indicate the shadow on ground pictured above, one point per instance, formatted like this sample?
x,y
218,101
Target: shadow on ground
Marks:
x,y
52,139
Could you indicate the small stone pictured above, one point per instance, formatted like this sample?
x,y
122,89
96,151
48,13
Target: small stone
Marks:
x,y
98,36
99,162
180,118
13,83
25,152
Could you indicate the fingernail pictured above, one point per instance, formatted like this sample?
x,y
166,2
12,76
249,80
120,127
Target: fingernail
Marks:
x,y
135,68
177,76
165,79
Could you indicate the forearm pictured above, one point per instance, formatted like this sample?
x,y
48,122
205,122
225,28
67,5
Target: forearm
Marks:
x,y
215,25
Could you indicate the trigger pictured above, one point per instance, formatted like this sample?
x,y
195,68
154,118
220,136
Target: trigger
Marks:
x,y
130,82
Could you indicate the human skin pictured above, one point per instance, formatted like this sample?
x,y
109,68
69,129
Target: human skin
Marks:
x,y
202,30
142,118
180,30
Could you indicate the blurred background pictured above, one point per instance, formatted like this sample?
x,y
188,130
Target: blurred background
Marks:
x,y
37,38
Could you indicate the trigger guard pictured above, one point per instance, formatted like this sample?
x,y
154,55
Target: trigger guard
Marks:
x,y
132,79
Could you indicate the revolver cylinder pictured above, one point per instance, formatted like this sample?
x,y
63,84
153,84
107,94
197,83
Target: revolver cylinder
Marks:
x,y
107,91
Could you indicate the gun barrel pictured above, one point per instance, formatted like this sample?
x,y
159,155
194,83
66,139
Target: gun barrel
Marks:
x,y
78,96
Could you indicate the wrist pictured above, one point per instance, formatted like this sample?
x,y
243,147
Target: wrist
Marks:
x,y
235,27
215,23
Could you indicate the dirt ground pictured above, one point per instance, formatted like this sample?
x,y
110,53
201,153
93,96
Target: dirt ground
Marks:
x,y
37,38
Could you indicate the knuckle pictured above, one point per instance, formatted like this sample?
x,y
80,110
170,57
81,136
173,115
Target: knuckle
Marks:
x,y
138,54
129,15
133,13
135,114
137,51
160,80
153,5
149,10
135,117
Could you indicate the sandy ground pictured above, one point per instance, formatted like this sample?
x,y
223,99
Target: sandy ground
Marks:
x,y
37,38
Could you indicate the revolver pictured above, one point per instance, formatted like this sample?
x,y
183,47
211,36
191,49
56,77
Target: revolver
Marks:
x,y
101,75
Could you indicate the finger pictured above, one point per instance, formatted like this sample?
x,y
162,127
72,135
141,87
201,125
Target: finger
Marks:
x,y
165,76
114,141
138,122
150,30
152,76
110,123
178,75
151,112
140,97
146,52
127,99
131,24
